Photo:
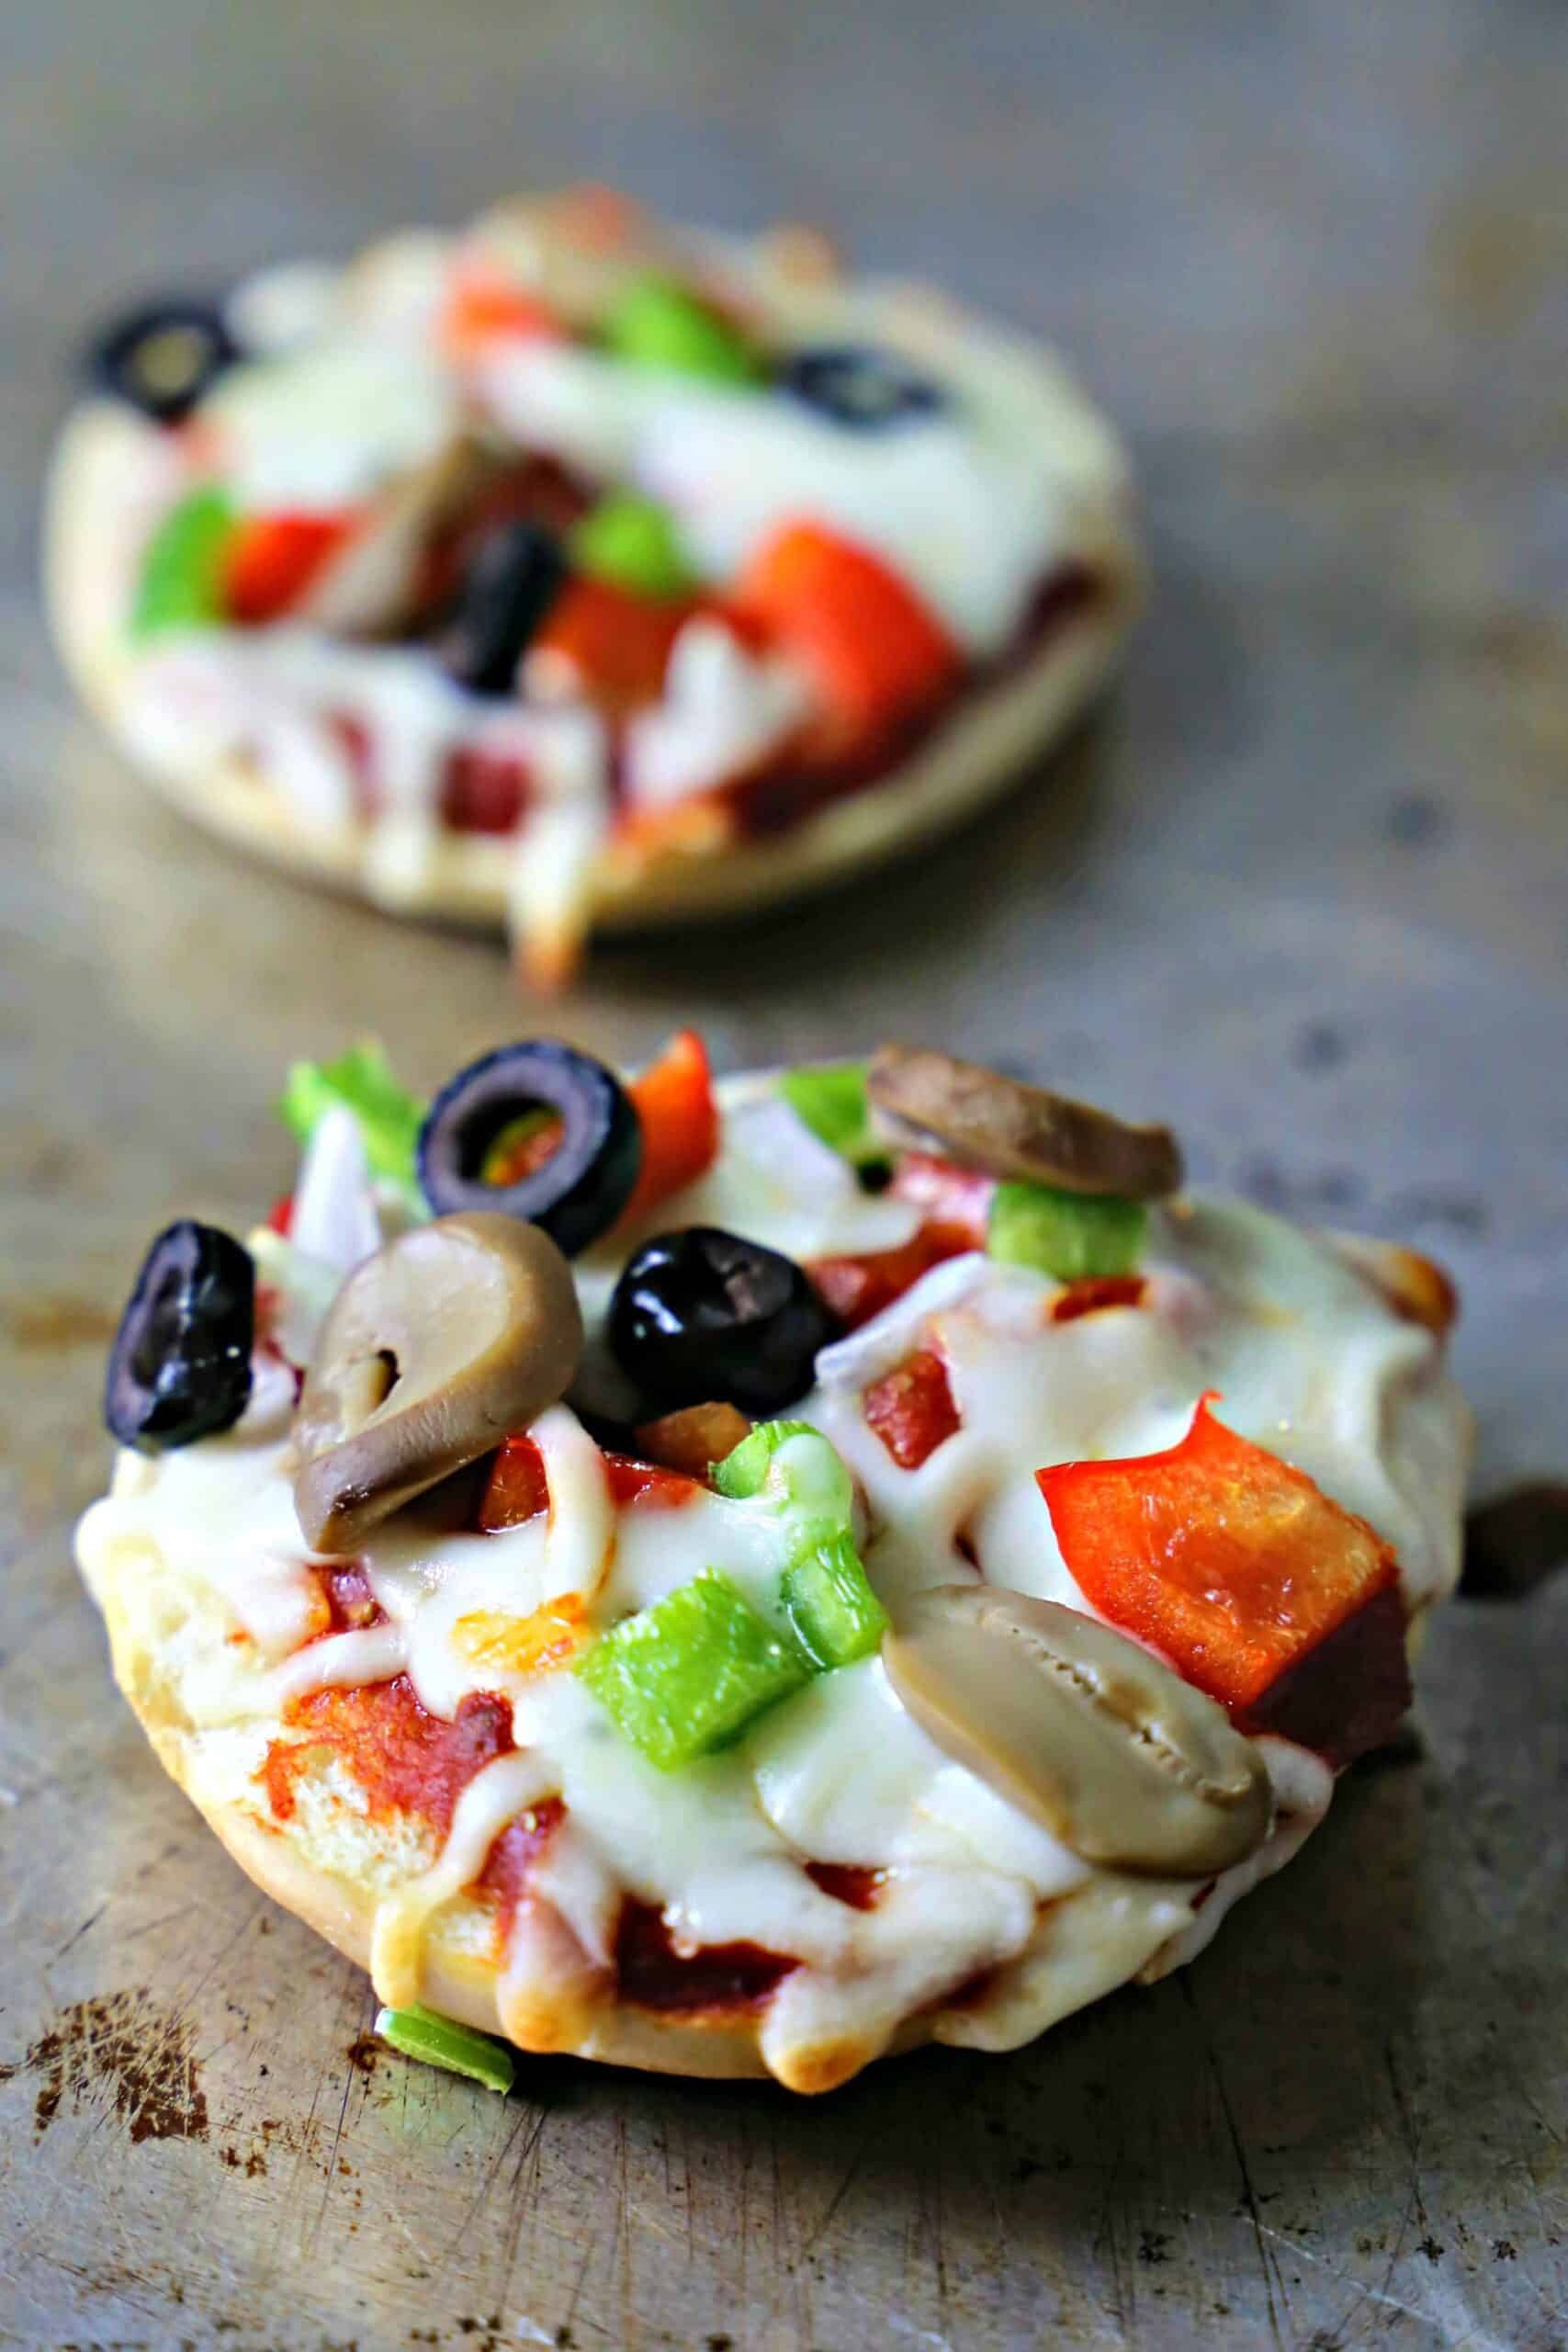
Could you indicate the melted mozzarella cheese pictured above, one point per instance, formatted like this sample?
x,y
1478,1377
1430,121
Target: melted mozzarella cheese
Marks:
x,y
1309,1361
325,426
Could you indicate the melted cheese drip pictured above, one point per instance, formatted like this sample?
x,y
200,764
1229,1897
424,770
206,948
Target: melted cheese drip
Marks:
x,y
1309,1361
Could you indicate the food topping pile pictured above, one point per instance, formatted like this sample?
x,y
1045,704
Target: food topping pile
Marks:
x,y
785,1540
569,532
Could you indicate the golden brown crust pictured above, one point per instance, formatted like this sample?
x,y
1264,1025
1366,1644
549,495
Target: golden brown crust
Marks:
x,y
1414,1286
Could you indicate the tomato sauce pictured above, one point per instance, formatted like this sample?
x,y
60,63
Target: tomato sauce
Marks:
x,y
850,1883
505,1877
405,1759
1091,1293
716,1978
351,1604
483,790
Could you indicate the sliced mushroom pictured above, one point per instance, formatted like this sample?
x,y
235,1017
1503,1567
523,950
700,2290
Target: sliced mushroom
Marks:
x,y
1081,1729
371,588
454,1335
1010,1129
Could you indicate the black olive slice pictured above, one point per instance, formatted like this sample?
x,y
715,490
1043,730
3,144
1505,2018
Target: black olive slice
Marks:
x,y
858,385
511,582
579,1144
164,357
702,1314
180,1366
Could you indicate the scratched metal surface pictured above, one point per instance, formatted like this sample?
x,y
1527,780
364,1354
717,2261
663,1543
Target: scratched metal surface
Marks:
x,y
1303,888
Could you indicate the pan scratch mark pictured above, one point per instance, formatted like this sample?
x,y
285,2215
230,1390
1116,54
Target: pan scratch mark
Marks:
x,y
575,2291
219,1957
623,2227
1415,2204
151,1927
1123,2285
90,1921
349,2072
1363,2294
939,2249
842,2191
522,2206
1269,2269
515,2126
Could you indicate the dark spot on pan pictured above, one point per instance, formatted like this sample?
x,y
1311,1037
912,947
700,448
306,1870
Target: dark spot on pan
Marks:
x,y
1516,1540
124,2050
1319,1046
1465,1213
1313,1199
1415,821
363,2051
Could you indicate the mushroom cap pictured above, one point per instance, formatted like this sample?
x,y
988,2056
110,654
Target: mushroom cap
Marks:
x,y
1084,1730
456,1334
1010,1129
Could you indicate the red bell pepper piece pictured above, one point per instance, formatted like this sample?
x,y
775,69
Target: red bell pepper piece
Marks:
x,y
1255,1585
675,1107
858,1288
607,643
911,1408
273,558
948,1196
518,1489
483,307
645,1483
877,656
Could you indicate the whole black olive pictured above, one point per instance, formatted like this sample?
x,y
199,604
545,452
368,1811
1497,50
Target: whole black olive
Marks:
x,y
857,385
180,1366
702,1315
164,357
562,1121
513,579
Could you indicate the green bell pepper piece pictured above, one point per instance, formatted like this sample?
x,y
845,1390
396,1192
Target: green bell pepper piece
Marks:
x,y
363,1082
658,322
181,585
1069,1235
742,1473
441,2041
796,1466
688,1675
633,542
832,1611
830,1099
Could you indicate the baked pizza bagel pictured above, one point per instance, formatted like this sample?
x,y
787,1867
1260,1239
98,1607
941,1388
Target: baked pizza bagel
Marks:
x,y
744,1579
571,570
